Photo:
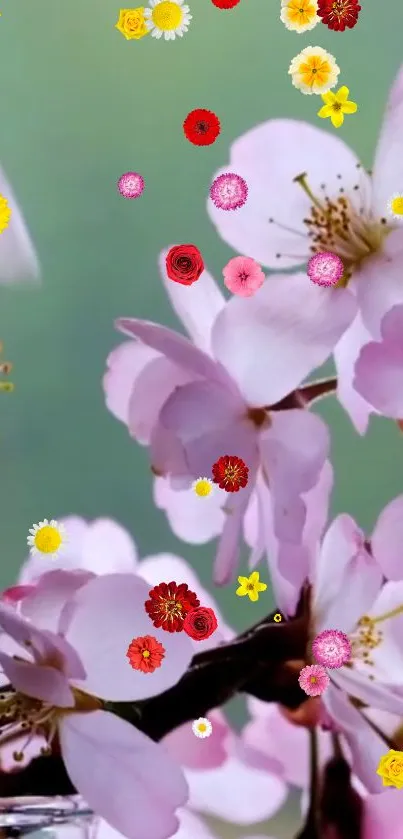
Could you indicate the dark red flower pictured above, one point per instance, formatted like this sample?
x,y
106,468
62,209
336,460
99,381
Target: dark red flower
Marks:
x,y
145,654
230,473
225,4
201,127
184,264
200,623
169,605
339,14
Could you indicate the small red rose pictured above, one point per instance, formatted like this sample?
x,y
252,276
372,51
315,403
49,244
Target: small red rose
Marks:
x,y
184,264
200,623
201,127
225,4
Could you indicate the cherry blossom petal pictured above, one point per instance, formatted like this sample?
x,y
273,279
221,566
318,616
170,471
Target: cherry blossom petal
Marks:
x,y
262,793
192,519
228,551
379,369
379,284
345,356
269,158
347,577
15,594
124,365
116,602
253,527
355,682
68,559
38,681
192,752
151,389
192,827
115,767
197,306
44,605
29,750
267,347
388,164
387,539
108,548
383,815
18,260
388,655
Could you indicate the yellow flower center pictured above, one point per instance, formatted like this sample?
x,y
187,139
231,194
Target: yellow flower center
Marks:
x,y
316,69
395,767
167,15
47,540
5,213
301,12
202,727
397,205
250,587
203,488
146,653
313,680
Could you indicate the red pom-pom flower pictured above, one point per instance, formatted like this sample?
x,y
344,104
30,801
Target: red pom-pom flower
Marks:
x,y
169,605
184,264
201,127
200,623
230,473
339,14
225,4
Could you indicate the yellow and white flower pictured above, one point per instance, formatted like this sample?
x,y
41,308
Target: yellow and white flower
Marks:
x,y
47,537
167,18
203,487
299,15
202,727
395,206
314,70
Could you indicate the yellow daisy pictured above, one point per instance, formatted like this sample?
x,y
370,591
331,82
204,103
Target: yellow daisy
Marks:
x,y
132,23
47,537
314,70
250,586
336,105
299,15
167,18
203,487
202,727
395,206
5,213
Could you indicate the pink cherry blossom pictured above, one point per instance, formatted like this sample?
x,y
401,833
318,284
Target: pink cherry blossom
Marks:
x,y
285,163
189,404
243,276
379,368
313,679
93,741
18,259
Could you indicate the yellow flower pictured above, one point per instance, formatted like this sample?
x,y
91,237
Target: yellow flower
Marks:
x,y
5,213
131,23
299,15
277,617
203,487
250,586
395,206
391,769
314,70
336,105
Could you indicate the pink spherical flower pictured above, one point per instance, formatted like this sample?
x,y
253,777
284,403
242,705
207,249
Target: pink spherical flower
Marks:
x,y
313,679
229,191
331,648
325,268
243,276
131,184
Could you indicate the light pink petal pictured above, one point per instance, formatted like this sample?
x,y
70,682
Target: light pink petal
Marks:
x,y
197,306
29,750
174,346
108,548
18,259
38,681
265,344
260,794
192,752
68,559
383,815
253,527
127,779
57,652
379,369
190,825
345,356
388,165
124,365
269,157
194,520
387,539
365,746
151,389
388,656
111,608
228,550
347,577
17,626
44,605
167,455
15,594
293,451
165,567
379,284
355,682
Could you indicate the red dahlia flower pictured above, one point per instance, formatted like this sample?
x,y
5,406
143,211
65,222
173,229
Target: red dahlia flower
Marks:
x,y
230,473
200,623
145,654
225,4
201,127
169,605
339,14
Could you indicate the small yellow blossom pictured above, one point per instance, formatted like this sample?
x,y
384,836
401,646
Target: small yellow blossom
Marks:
x,y
250,586
314,70
336,105
395,206
299,15
203,487
5,213
132,23
390,769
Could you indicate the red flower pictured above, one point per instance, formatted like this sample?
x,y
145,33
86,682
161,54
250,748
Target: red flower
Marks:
x,y
169,605
225,4
201,127
145,654
339,14
184,264
230,473
200,623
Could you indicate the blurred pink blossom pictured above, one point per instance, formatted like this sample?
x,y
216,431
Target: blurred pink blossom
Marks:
x,y
379,368
243,276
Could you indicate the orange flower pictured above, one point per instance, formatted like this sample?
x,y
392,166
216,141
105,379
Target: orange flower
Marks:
x,y
145,654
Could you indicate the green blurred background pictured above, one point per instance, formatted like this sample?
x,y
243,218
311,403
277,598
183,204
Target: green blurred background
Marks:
x,y
80,106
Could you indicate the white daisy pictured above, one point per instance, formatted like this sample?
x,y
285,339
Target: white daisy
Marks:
x,y
395,206
202,727
203,487
167,18
47,537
